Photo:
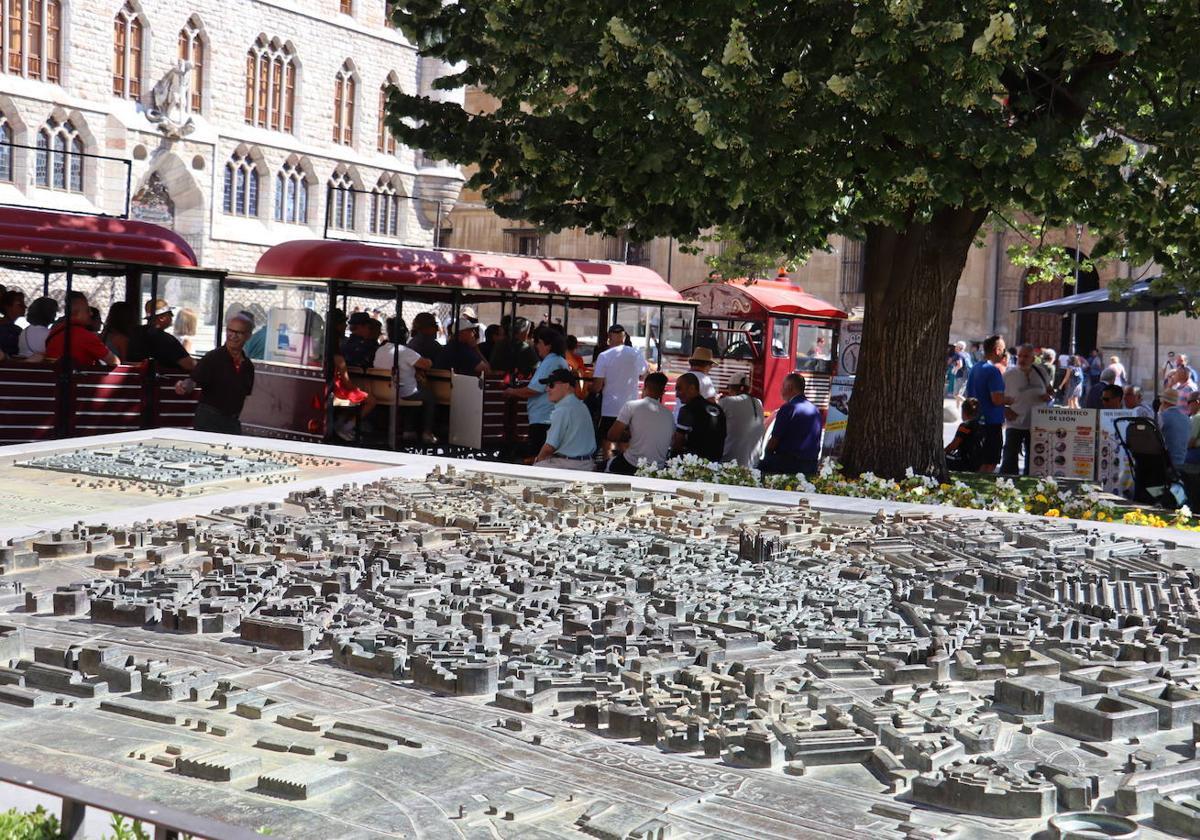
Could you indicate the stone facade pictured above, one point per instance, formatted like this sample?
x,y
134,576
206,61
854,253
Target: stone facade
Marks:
x,y
177,167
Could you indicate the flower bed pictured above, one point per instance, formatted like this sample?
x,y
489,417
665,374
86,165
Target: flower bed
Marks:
x,y
1045,498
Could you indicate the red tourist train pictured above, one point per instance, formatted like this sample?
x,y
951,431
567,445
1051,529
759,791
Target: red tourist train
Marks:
x,y
762,330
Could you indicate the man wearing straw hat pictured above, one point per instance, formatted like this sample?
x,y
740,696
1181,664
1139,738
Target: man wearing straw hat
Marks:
x,y
699,364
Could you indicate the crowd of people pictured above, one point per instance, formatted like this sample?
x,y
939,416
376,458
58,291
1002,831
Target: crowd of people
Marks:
x,y
611,415
997,389
36,333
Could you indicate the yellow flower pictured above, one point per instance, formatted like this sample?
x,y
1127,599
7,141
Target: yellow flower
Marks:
x,y
1053,512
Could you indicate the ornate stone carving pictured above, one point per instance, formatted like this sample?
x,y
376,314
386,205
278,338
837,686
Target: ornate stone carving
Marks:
x,y
169,102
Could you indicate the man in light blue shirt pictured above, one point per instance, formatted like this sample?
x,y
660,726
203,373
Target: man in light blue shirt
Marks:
x,y
571,439
550,345
1175,425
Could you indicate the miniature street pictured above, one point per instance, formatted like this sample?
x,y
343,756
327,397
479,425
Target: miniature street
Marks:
x,y
482,655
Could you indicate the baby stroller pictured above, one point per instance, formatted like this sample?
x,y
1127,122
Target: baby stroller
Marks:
x,y
1155,479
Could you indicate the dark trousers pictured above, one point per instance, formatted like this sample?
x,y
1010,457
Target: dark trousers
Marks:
x,y
428,407
1016,441
208,419
620,466
536,439
780,463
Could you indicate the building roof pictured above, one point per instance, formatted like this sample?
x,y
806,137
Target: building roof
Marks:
x,y
91,238
363,262
758,298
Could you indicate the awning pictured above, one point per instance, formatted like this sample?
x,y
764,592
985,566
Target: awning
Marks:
x,y
1140,297
398,266
104,239
757,299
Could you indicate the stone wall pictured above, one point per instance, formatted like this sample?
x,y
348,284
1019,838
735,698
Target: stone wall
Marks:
x,y
192,168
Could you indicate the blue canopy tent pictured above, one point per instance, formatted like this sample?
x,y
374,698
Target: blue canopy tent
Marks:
x,y
1140,297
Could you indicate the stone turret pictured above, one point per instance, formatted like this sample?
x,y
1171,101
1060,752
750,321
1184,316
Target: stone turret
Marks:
x,y
438,183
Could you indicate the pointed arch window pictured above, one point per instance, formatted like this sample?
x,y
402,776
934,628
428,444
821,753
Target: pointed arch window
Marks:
x,y
6,151
341,201
32,41
192,49
127,53
385,141
291,195
386,205
240,197
58,162
345,87
271,85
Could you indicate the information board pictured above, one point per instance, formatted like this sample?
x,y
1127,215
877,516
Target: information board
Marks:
x,y
839,413
851,342
1063,443
1113,471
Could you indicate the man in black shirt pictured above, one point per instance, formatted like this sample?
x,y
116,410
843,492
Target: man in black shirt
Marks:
x,y
152,341
424,336
700,427
226,377
359,347
462,355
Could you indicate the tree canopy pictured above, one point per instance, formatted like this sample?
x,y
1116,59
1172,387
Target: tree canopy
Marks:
x,y
795,120
901,122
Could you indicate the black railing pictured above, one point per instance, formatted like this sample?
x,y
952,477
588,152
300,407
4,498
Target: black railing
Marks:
x,y
364,222
52,156
168,823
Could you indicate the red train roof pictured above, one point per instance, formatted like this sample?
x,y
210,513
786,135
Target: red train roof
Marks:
x,y
98,238
757,299
362,262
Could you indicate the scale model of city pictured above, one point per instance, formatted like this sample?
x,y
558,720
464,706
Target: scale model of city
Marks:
x,y
484,655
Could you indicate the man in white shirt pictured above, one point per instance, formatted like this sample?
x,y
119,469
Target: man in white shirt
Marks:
x,y
648,426
1025,388
1133,400
616,376
743,423
404,362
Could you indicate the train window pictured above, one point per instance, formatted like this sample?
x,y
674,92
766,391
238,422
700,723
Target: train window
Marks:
x,y
289,320
730,339
193,299
677,335
781,338
814,348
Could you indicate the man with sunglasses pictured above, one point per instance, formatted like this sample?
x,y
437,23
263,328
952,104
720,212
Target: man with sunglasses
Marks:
x,y
225,377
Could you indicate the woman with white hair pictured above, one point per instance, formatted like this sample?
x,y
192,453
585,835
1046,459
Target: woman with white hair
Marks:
x,y
1121,378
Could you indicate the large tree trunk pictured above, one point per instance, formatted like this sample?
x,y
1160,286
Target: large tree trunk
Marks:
x,y
896,408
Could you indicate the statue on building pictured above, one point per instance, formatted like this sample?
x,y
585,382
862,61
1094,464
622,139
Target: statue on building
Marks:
x,y
169,101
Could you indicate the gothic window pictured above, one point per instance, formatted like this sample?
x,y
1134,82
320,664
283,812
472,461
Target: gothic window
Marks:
x,y
240,197
385,209
191,48
32,35
344,89
341,201
6,151
127,53
291,195
385,141
58,164
853,267
271,85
